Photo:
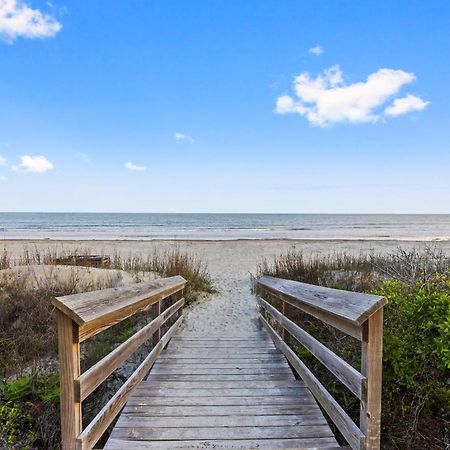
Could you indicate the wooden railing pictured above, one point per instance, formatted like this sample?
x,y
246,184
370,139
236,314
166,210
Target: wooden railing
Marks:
x,y
82,316
358,315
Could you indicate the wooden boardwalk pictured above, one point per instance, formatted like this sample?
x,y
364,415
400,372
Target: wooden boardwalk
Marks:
x,y
226,390
221,392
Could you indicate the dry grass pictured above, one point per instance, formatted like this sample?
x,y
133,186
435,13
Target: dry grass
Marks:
x,y
170,263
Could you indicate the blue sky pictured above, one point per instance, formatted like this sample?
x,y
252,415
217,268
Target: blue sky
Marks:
x,y
225,106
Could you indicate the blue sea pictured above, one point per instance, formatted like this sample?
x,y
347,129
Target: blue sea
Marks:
x,y
223,226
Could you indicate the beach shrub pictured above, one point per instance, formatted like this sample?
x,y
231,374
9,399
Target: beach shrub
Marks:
x,y
416,358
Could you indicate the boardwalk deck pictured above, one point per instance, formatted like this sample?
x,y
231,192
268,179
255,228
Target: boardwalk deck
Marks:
x,y
221,392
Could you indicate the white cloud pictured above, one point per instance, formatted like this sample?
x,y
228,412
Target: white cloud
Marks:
x,y
18,19
2,160
131,166
83,157
327,99
317,50
2,178
183,137
405,105
36,164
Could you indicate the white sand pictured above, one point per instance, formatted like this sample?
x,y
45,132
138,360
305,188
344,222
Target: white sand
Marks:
x,y
230,263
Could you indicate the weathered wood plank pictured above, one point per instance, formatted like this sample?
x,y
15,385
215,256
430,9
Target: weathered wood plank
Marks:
x,y
133,421
230,340
97,427
223,410
226,353
304,399
224,371
352,306
343,371
212,348
340,418
178,367
94,376
98,310
277,432
206,392
291,444
169,358
236,378
241,384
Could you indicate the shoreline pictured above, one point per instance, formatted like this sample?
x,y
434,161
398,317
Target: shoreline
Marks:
x,y
264,239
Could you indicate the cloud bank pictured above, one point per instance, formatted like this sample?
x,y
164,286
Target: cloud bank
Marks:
x,y
18,19
327,99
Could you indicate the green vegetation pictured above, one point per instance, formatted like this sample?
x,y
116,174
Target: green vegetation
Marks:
x,y
29,384
416,363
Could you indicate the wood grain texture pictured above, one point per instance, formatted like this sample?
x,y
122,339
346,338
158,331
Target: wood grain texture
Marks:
x,y
273,444
343,371
340,418
237,393
95,375
371,362
69,370
351,306
98,310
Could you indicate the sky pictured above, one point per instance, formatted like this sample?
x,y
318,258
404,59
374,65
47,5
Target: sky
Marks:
x,y
225,106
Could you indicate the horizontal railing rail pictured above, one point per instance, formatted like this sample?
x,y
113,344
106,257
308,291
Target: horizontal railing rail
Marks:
x,y
358,315
81,316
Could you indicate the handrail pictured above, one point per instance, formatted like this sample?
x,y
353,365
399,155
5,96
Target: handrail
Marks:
x,y
81,316
358,315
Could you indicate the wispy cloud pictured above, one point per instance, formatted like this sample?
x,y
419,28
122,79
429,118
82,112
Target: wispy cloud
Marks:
x,y
83,157
317,50
131,166
2,160
2,178
179,137
405,105
19,19
36,164
327,99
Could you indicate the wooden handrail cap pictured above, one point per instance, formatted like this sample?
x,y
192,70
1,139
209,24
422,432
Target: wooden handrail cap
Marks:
x,y
352,306
90,306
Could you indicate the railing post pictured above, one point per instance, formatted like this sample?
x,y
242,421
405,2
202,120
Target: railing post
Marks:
x,y
371,368
69,370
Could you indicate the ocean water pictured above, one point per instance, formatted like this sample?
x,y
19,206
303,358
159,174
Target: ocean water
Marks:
x,y
223,226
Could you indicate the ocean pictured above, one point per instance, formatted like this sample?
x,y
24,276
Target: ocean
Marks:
x,y
223,226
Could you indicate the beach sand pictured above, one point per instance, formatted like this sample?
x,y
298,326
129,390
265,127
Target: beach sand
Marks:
x,y
230,263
